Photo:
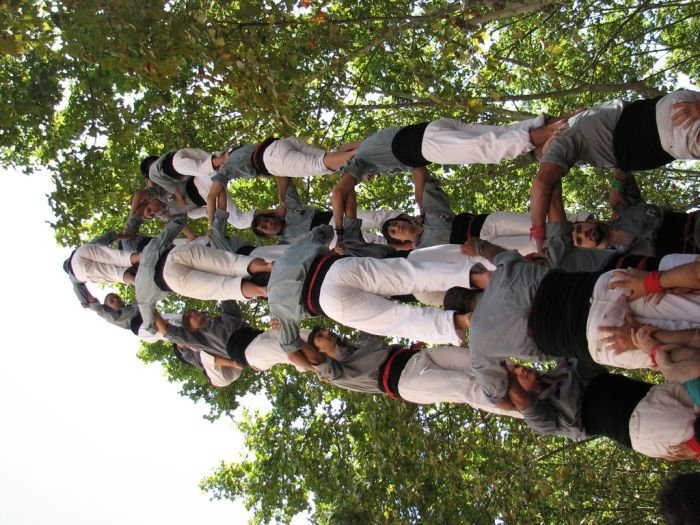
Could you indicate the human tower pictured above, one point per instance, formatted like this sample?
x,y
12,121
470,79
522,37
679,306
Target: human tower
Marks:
x,y
548,286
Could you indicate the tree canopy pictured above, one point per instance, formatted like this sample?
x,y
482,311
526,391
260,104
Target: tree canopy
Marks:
x,y
89,87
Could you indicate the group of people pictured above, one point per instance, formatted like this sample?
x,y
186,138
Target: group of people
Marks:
x,y
546,287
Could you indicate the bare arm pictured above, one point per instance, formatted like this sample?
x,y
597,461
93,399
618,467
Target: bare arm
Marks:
x,y
345,185
420,177
556,212
188,233
481,248
686,276
213,199
282,185
160,323
541,198
227,363
297,358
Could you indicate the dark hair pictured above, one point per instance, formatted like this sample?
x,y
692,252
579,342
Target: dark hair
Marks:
x,y
256,224
312,334
463,300
680,499
385,228
145,165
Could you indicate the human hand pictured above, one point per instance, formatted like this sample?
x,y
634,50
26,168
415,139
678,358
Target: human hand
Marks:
x,y
687,113
643,338
563,126
619,338
630,279
469,247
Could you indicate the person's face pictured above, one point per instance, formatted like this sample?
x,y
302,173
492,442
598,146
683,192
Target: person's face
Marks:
x,y
325,341
153,209
195,320
114,301
403,231
270,225
587,234
525,376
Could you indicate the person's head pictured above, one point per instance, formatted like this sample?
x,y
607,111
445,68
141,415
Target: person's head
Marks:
x,y
680,499
461,300
588,234
323,340
400,230
153,208
146,164
193,320
527,377
114,301
267,225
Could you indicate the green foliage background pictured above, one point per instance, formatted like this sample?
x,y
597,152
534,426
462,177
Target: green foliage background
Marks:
x,y
88,87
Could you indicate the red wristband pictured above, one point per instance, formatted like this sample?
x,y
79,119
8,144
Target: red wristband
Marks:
x,y
655,349
693,445
652,282
538,233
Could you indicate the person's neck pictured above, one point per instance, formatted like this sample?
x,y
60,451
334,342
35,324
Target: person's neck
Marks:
x,y
616,237
479,280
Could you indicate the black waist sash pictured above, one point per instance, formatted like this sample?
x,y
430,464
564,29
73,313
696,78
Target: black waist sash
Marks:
x,y
638,262
136,323
320,218
245,250
391,369
256,159
636,141
560,312
238,341
673,237
407,145
193,193
311,291
158,272
608,404
465,226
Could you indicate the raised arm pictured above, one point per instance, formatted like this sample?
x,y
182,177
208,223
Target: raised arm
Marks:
x,y
340,192
282,185
543,189
420,177
217,188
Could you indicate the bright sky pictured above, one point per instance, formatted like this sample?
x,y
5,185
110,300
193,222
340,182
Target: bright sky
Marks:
x,y
89,434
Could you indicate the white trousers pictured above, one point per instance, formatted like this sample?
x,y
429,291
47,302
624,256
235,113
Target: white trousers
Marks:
x,y
442,253
201,272
450,141
680,142
292,157
609,308
354,290
265,351
236,218
97,263
662,419
443,374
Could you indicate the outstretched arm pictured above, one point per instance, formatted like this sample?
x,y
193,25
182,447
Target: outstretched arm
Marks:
x,y
282,185
340,192
686,276
543,188
217,188
420,177
481,248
